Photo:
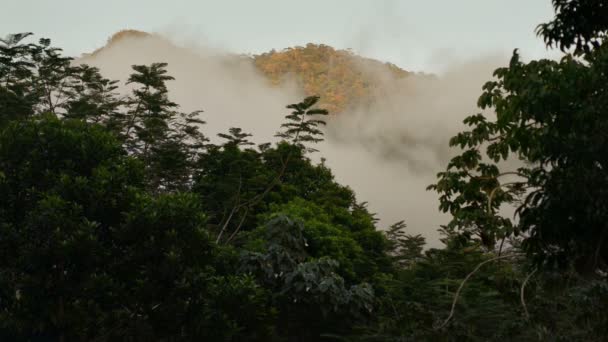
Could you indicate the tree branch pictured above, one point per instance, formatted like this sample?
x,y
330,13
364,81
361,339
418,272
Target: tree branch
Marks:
x,y
447,320
522,295
239,226
236,208
494,192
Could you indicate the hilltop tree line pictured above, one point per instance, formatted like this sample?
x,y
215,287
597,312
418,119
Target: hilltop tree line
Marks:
x,y
343,79
340,78
120,220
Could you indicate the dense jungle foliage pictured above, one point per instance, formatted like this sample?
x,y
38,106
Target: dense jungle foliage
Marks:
x,y
121,221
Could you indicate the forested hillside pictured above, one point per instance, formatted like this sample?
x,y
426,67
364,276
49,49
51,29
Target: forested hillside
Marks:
x,y
121,221
341,78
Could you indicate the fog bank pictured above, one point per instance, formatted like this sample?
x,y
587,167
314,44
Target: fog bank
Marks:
x,y
387,151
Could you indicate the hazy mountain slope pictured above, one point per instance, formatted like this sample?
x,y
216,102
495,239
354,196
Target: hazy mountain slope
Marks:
x,y
387,144
340,77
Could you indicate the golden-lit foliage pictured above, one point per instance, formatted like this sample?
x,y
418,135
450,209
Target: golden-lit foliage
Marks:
x,y
120,35
341,78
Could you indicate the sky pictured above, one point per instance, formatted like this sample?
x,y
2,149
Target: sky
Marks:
x,y
417,35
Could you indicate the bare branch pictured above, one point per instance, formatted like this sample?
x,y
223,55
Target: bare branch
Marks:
x,y
456,296
508,173
522,295
238,228
494,192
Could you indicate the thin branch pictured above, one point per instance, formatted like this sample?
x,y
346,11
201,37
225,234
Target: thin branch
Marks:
x,y
239,226
508,173
522,294
253,201
502,241
447,320
219,236
274,182
494,192
256,199
235,209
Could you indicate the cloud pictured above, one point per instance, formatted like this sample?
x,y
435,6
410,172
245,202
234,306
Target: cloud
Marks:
x,y
387,151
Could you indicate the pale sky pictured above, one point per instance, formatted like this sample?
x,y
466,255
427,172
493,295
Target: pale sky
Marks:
x,y
417,35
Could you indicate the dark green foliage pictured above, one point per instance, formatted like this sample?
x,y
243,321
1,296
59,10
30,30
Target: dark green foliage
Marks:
x,y
237,182
405,249
118,221
419,299
329,232
310,295
86,253
18,91
66,184
66,158
166,141
95,99
552,116
302,125
580,24
37,79
566,307
236,137
230,181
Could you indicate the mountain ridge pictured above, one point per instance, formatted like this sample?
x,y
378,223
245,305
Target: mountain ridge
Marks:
x,y
340,77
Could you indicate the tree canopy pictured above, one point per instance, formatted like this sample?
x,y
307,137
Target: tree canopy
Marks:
x,y
119,220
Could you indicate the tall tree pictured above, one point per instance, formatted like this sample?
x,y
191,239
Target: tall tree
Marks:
x,y
167,141
88,254
580,24
303,123
552,116
36,79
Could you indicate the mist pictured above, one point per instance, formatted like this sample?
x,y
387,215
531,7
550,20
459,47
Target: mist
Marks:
x,y
388,152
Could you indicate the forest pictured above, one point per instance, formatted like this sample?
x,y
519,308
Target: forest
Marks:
x,y
121,220
341,79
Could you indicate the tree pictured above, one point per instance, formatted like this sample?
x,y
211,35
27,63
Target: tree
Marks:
x,y
36,79
229,181
88,254
65,185
118,221
95,98
237,137
237,183
302,125
329,232
552,116
167,141
578,23
405,249
304,289
16,98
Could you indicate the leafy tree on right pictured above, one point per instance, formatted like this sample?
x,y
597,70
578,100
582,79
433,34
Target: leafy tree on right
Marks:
x,y
553,117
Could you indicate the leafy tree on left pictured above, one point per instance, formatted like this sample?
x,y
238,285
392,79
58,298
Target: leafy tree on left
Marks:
x,y
35,79
87,253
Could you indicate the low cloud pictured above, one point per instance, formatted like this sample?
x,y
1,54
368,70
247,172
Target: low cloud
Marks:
x,y
387,151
